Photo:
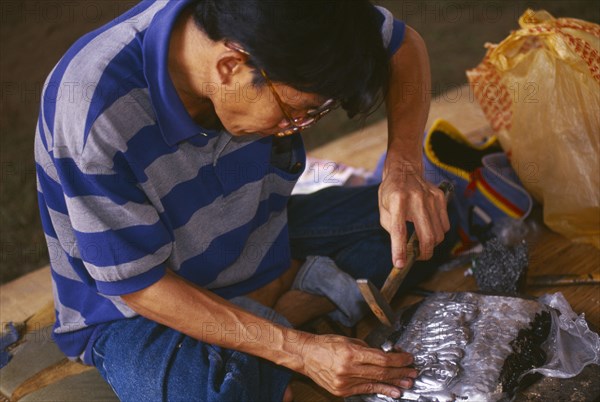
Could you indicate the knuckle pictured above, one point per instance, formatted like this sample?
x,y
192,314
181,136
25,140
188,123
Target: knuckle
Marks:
x,y
346,354
337,383
428,241
343,368
402,228
369,388
394,195
383,222
404,359
389,360
414,193
446,226
409,359
339,370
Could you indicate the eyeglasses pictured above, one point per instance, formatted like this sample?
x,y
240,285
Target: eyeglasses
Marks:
x,y
296,124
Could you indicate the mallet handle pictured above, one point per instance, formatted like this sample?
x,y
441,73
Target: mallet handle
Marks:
x,y
397,275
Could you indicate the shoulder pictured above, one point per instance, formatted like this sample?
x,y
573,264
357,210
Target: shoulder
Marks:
x,y
392,30
98,82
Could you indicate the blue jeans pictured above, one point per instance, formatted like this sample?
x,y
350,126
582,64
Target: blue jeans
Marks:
x,y
146,361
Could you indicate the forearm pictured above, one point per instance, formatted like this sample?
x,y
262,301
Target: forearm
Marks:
x,y
179,304
341,365
408,103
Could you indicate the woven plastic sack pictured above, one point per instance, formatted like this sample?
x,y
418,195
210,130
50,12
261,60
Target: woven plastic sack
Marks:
x,y
540,91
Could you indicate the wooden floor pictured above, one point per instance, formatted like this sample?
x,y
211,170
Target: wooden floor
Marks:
x,y
550,253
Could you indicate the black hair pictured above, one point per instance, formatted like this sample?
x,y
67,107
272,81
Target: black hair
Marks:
x,y
332,48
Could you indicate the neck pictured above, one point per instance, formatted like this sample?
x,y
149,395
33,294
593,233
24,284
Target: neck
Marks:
x,y
189,51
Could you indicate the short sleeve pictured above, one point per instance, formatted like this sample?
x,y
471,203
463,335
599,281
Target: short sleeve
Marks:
x,y
120,237
392,30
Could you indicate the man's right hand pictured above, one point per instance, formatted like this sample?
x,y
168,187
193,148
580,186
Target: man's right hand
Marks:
x,y
346,366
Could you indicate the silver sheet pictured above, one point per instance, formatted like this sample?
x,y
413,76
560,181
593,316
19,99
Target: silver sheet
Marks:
x,y
459,342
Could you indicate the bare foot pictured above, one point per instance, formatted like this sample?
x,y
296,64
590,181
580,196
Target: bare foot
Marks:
x,y
287,395
272,291
300,307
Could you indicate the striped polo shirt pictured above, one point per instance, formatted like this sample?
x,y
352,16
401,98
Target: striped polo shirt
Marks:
x,y
129,184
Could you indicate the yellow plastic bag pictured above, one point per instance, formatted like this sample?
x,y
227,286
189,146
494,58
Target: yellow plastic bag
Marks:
x,y
540,91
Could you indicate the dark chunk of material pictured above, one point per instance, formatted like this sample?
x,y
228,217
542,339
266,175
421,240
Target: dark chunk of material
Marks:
x,y
527,352
501,269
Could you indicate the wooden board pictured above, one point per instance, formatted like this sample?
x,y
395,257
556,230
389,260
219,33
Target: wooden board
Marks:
x,y
21,298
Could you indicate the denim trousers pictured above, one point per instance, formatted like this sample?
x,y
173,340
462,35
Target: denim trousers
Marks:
x,y
335,229
145,361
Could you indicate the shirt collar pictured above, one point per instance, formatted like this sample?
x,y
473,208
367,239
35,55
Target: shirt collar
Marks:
x,y
173,119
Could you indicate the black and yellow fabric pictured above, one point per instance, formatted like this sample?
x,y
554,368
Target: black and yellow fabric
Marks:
x,y
487,190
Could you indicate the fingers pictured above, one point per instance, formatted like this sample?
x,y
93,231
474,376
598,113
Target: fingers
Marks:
x,y
376,357
383,380
389,375
442,208
399,237
393,219
437,204
425,231
392,388
404,383
375,388
431,221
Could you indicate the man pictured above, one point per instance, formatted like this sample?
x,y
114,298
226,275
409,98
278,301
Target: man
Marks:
x,y
164,195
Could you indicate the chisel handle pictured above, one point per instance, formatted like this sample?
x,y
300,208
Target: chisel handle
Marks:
x,y
397,275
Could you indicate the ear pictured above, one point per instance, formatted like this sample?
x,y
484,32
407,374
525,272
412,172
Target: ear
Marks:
x,y
230,64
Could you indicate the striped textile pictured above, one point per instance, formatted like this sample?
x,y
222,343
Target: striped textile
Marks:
x,y
129,184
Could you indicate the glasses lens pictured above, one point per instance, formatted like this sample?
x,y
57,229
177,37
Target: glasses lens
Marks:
x,y
304,122
320,109
327,105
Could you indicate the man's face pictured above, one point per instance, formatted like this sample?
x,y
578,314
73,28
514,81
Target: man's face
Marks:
x,y
245,108
249,109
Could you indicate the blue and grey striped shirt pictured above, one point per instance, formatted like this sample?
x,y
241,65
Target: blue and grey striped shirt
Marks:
x,y
129,184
